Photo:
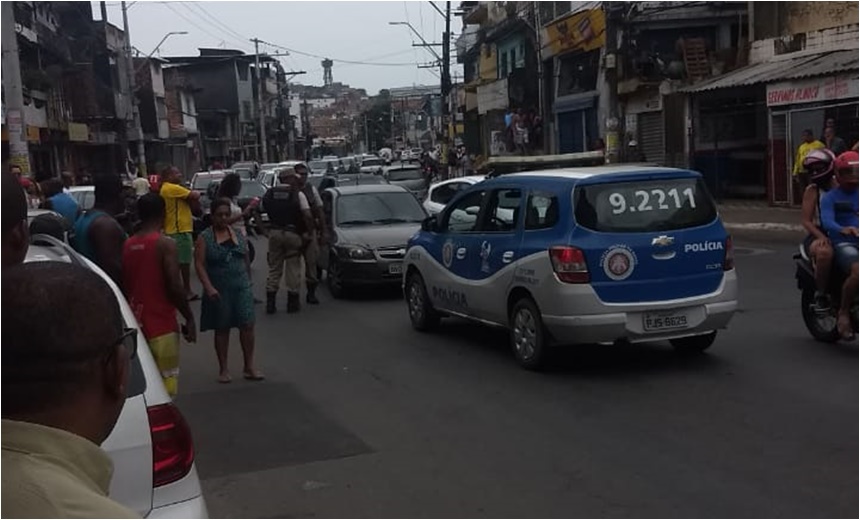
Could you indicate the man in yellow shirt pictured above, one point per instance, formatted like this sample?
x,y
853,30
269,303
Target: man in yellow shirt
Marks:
x,y
179,203
809,143
64,383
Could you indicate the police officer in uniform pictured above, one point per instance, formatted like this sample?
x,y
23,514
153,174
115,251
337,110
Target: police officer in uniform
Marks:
x,y
290,222
318,233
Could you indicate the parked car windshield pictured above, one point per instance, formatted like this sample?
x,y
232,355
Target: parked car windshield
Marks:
x,y
252,189
201,182
378,208
654,205
244,173
410,174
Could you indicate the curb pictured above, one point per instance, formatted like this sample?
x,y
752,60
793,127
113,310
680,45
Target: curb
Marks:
x,y
764,226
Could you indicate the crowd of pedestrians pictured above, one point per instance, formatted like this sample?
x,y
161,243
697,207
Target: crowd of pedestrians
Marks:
x,y
64,379
151,259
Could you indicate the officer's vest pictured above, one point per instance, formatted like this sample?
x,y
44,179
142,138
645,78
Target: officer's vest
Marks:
x,y
282,205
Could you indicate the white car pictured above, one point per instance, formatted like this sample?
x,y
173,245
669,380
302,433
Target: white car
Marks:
x,y
151,447
85,196
442,192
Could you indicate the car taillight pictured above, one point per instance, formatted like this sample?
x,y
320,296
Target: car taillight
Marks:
x,y
729,260
172,448
569,264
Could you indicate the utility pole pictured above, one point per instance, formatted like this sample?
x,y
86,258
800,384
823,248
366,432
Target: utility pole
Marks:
x,y
366,136
132,99
612,13
284,92
18,148
540,73
446,73
262,155
282,86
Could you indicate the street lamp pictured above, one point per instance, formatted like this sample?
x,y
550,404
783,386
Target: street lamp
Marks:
x,y
148,56
166,36
420,37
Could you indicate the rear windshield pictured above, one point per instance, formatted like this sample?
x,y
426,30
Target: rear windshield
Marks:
x,y
653,205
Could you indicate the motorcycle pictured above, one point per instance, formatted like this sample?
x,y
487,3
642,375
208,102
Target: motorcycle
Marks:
x,y
821,323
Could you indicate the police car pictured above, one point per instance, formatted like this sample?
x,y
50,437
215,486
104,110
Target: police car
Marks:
x,y
577,255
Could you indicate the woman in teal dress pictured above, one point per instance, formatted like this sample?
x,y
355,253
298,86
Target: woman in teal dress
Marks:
x,y
221,259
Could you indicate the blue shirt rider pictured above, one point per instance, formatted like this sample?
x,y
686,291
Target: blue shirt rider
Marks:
x,y
839,218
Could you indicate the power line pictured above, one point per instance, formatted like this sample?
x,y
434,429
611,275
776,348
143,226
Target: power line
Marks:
x,y
196,14
207,14
192,22
239,37
337,60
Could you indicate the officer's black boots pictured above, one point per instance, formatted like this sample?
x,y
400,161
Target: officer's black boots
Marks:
x,y
270,302
294,303
311,298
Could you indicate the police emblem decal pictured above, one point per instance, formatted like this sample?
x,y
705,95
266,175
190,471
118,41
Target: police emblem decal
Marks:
x,y
448,253
618,262
486,249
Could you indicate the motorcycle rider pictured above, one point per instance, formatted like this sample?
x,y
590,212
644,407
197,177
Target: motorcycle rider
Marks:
x,y
839,217
820,165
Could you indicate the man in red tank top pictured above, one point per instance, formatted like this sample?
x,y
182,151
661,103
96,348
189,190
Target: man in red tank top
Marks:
x,y
153,286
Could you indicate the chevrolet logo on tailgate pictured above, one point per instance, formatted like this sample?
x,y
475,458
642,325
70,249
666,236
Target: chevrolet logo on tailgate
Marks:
x,y
663,240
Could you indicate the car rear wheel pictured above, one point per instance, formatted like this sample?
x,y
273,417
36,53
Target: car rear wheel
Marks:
x,y
694,344
421,312
528,336
334,278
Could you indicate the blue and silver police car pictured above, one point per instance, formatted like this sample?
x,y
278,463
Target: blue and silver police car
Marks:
x,y
578,255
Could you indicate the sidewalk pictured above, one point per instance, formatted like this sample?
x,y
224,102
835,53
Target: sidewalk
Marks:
x,y
758,216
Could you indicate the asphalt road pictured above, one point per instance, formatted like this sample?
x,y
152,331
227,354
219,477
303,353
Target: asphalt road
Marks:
x,y
363,417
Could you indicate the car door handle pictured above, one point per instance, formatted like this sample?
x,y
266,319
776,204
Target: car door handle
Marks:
x,y
508,257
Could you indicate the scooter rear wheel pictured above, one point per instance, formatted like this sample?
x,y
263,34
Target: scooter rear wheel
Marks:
x,y
822,326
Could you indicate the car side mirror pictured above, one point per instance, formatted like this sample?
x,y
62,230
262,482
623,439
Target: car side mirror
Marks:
x,y
429,224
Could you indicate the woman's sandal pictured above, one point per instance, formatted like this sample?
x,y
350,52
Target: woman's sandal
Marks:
x,y
224,379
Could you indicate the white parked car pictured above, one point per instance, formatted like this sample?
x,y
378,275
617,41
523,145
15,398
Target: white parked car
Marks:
x,y
151,447
85,196
442,192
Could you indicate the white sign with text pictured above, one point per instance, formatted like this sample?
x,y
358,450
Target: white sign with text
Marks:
x,y
811,90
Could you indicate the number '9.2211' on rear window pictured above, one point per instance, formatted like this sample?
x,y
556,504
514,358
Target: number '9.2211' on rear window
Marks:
x,y
653,205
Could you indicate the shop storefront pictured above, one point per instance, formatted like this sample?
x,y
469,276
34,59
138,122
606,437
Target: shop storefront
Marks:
x,y
806,104
492,104
575,43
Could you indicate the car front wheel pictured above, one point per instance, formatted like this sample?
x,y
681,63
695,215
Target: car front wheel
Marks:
x,y
421,312
334,278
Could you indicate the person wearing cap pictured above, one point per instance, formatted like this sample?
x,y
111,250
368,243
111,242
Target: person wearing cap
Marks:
x,y
634,154
318,233
808,144
290,221
839,218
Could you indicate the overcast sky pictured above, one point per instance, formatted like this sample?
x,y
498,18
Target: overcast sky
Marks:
x,y
351,31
